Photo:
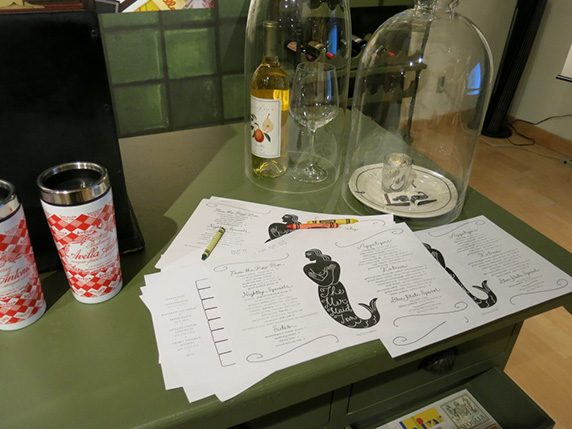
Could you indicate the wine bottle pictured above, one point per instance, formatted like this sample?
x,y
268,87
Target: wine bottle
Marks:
x,y
269,98
357,45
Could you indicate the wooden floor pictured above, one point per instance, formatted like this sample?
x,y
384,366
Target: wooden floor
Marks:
x,y
537,188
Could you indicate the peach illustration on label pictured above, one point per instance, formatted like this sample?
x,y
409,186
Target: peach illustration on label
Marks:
x,y
257,133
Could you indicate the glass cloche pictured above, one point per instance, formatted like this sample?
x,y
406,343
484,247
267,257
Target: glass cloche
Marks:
x,y
420,96
280,35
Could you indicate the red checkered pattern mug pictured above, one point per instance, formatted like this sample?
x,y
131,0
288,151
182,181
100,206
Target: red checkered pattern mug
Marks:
x,y
21,296
78,204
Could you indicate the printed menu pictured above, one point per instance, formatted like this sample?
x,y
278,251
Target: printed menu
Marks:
x,y
272,296
498,273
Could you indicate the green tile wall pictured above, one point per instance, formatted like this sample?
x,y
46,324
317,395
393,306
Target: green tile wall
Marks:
x,y
141,109
231,48
135,56
178,69
233,96
232,8
190,52
202,108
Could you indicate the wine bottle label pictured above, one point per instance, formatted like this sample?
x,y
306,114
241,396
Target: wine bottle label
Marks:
x,y
265,126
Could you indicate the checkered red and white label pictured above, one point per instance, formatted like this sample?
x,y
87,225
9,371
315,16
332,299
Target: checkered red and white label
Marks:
x,y
21,297
86,240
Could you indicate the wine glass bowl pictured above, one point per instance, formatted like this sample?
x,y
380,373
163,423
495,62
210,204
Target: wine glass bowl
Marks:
x,y
314,102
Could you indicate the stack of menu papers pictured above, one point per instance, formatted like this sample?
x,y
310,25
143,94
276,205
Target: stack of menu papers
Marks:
x,y
269,297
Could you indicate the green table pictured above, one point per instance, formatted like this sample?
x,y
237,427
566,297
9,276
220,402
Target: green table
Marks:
x,y
97,366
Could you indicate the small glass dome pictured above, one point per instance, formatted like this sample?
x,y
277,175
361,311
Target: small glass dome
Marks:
x,y
421,92
280,35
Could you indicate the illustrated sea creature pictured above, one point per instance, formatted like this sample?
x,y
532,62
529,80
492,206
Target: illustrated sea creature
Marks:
x,y
276,230
333,295
482,303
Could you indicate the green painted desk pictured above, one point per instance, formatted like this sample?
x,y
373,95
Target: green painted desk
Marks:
x,y
83,366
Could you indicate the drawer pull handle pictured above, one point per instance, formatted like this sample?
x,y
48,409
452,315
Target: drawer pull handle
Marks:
x,y
441,362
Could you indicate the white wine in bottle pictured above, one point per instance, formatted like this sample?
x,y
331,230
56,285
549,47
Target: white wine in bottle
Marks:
x,y
269,98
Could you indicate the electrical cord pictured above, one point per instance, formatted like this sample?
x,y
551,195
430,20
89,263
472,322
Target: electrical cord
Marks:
x,y
520,146
531,139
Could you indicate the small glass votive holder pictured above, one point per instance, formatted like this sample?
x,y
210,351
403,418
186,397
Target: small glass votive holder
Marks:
x,y
396,170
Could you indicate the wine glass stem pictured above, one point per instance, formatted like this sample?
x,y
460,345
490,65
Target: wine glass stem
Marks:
x,y
312,138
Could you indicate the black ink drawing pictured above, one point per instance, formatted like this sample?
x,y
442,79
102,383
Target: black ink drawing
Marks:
x,y
276,230
464,412
419,199
483,303
333,296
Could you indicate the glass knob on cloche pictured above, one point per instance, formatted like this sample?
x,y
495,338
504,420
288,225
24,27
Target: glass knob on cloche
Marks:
x,y
421,90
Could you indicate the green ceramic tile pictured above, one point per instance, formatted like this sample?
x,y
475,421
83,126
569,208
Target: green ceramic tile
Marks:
x,y
131,19
233,96
140,109
134,55
190,52
195,102
231,49
232,8
184,17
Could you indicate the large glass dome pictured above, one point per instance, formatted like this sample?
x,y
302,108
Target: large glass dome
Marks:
x,y
280,35
421,92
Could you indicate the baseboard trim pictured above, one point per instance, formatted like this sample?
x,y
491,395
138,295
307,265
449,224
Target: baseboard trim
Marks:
x,y
544,138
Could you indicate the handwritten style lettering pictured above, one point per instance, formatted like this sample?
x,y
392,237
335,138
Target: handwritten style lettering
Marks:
x,y
13,276
332,293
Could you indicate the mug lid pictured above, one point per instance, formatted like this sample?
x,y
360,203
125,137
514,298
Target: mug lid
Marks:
x,y
8,200
73,183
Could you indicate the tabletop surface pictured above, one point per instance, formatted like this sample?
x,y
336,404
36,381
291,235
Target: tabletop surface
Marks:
x,y
97,365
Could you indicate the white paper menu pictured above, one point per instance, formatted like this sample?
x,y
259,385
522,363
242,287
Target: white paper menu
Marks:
x,y
497,272
314,292
248,226
268,298
195,350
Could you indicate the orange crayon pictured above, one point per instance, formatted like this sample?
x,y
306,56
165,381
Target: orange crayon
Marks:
x,y
311,225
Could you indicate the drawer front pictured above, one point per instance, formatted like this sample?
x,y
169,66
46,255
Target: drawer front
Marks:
x,y
408,383
509,405
313,413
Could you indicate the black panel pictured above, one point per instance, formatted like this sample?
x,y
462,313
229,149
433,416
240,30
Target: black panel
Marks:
x,y
525,23
55,107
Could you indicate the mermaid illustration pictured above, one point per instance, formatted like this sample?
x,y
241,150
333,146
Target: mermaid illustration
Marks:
x,y
482,303
333,296
276,230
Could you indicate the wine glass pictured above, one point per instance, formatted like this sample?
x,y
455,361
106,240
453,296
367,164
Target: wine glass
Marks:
x,y
314,102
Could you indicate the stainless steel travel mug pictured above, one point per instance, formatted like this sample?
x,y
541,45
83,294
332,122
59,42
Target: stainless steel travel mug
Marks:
x,y
78,204
21,297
